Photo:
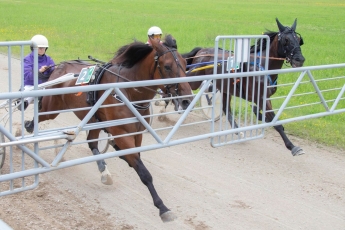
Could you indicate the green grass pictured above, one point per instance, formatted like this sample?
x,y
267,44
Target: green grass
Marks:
x,y
79,28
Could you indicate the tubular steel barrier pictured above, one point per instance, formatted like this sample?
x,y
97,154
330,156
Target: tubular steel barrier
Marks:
x,y
28,155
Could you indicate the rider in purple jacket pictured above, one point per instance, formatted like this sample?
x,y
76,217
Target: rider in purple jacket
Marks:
x,y
45,66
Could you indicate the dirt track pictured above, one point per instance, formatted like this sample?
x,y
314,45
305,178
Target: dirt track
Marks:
x,y
252,185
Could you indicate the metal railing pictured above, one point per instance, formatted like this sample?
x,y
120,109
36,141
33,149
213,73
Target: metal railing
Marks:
x,y
28,155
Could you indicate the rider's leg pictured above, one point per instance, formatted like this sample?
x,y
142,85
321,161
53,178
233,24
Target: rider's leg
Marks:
x,y
28,100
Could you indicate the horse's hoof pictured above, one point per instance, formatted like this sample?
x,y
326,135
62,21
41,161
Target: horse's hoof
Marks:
x,y
29,126
106,177
159,103
296,151
162,118
168,216
240,135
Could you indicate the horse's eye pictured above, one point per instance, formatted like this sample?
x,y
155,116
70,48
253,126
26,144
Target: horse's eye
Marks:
x,y
167,68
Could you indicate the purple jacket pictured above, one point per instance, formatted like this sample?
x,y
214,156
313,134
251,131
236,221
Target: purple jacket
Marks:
x,y
29,67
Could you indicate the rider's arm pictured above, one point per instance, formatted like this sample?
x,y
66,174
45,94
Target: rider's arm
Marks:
x,y
51,63
28,70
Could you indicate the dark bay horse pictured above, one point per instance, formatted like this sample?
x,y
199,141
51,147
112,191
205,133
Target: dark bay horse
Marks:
x,y
134,62
284,46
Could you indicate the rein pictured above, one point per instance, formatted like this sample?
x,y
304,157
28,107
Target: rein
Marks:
x,y
126,79
155,67
212,55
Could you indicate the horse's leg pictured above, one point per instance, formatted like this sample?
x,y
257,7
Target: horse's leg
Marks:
x,y
102,166
161,102
295,150
229,114
258,113
135,162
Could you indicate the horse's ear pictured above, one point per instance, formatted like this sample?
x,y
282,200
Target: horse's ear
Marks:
x,y
293,27
280,26
170,41
301,42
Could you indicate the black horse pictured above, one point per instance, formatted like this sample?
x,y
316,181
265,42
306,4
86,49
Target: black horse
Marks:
x,y
284,46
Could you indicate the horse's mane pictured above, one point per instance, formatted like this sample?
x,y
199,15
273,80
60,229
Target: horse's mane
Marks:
x,y
129,55
270,34
121,50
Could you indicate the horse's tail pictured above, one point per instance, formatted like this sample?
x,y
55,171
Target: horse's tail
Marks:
x,y
189,56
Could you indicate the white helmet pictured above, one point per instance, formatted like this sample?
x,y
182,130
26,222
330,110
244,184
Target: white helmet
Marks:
x,y
154,30
40,40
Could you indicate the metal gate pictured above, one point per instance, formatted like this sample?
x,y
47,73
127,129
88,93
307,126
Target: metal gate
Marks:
x,y
234,54
27,156
299,89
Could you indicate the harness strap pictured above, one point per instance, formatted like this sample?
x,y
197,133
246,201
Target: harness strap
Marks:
x,y
92,95
262,69
138,107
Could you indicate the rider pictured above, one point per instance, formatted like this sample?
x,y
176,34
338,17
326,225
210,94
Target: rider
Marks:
x,y
154,33
45,66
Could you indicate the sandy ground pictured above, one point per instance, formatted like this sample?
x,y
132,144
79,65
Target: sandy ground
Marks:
x,y
251,185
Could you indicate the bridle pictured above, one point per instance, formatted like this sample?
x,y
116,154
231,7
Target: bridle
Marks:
x,y
289,50
157,66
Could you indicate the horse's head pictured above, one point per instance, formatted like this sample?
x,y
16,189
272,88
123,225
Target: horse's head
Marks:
x,y
170,64
289,43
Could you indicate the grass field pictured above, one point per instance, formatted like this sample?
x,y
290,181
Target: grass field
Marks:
x,y
79,28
